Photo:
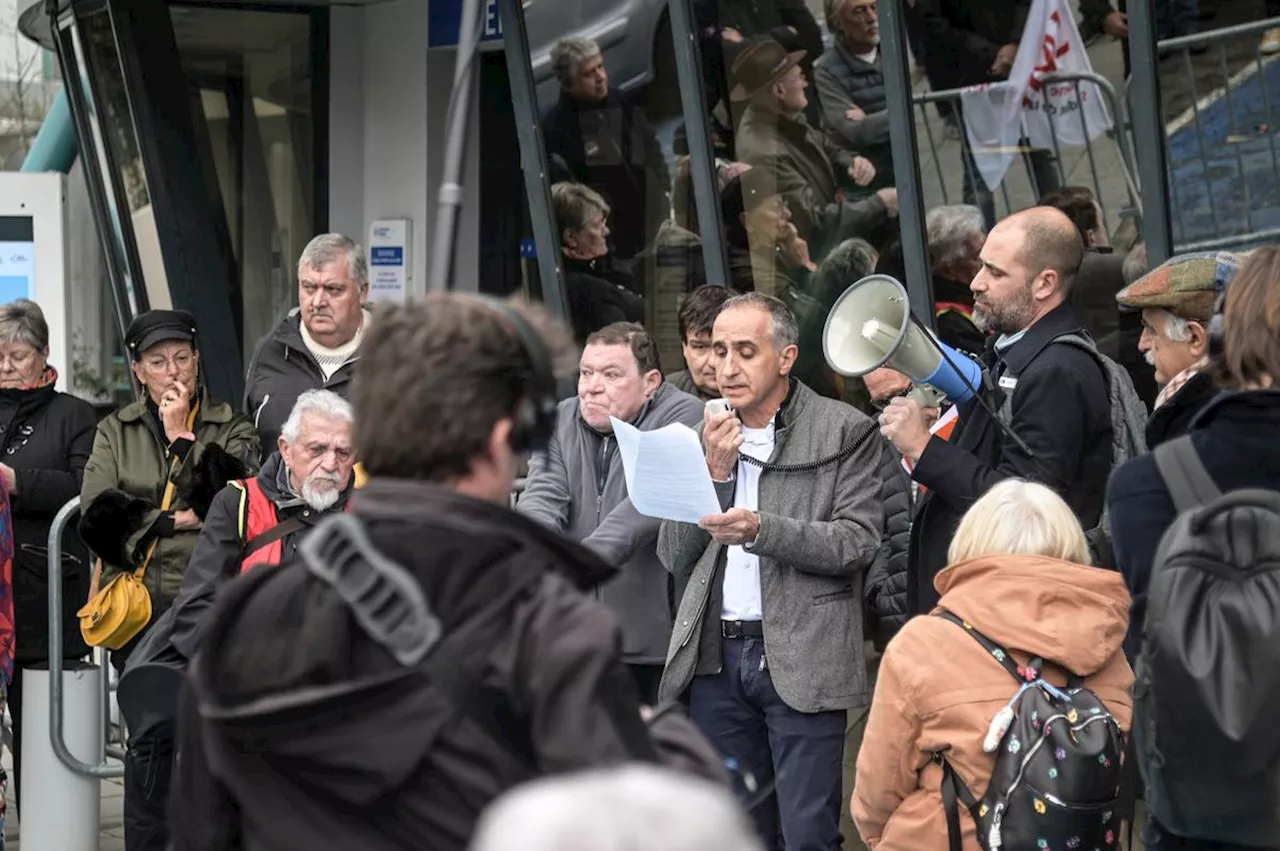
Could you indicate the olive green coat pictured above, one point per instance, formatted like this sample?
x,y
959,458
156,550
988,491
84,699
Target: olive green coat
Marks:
x,y
130,455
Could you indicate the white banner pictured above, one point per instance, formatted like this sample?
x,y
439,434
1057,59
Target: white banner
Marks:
x,y
997,116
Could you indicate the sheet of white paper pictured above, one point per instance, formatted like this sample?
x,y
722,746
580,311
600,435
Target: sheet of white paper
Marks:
x,y
666,472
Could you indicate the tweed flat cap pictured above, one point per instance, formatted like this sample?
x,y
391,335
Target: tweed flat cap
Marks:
x,y
1186,285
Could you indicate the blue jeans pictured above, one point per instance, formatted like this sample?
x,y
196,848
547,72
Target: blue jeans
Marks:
x,y
741,713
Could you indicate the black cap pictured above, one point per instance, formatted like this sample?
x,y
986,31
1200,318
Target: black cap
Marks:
x,y
746,192
159,326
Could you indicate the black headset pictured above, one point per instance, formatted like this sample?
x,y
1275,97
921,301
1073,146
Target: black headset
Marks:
x,y
1216,327
535,415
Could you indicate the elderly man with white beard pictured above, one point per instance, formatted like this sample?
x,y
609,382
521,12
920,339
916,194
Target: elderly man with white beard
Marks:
x,y
259,521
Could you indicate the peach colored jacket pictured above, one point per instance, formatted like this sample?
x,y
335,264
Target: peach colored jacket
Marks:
x,y
939,690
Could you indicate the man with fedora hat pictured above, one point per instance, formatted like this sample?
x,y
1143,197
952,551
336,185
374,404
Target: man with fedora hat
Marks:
x,y
1177,300
774,135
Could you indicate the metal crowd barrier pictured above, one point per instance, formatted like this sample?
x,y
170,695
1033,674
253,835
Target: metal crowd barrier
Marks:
x,y
1192,191
1105,191
102,768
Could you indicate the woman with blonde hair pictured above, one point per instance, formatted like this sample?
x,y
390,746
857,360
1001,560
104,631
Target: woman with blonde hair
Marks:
x,y
1019,577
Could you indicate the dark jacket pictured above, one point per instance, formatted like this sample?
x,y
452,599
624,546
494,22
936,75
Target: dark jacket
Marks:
x,y
961,38
577,487
1061,409
1235,436
1174,417
283,369
886,586
610,147
215,561
1093,293
955,326
683,381
843,80
390,770
807,168
46,437
124,485
597,298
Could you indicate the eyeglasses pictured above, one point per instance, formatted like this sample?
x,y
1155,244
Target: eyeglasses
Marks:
x,y
158,365
881,404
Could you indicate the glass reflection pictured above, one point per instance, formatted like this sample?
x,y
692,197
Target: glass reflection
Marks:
x,y
102,59
249,74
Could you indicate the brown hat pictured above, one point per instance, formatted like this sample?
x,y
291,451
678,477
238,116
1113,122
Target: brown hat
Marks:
x,y
1186,285
760,66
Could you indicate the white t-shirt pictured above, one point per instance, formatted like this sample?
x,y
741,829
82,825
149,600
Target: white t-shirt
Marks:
x,y
742,567
869,58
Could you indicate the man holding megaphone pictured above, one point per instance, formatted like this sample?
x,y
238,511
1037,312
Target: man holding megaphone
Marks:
x,y
1056,397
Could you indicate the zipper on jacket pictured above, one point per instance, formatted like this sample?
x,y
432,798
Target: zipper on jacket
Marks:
x,y
257,415
602,477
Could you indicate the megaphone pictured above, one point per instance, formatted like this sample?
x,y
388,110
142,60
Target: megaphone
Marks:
x,y
871,326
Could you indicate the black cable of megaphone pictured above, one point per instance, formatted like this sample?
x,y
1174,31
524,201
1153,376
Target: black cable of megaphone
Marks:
x,y
977,394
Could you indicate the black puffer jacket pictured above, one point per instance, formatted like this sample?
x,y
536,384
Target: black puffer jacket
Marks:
x,y
46,437
301,731
283,369
885,590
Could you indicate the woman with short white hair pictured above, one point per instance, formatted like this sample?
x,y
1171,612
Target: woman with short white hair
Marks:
x,y
1019,578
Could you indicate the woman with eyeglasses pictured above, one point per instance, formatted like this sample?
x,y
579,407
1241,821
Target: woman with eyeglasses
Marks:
x,y
45,439
156,465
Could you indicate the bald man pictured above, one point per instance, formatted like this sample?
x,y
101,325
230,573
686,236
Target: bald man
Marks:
x,y
1061,405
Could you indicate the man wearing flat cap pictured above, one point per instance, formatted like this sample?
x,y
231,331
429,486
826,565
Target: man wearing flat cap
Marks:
x,y
1177,301
773,135
155,467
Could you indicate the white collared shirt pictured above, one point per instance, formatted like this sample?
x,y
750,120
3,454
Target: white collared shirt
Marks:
x,y
742,567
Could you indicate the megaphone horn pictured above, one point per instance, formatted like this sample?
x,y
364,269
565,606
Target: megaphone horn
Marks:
x,y
871,326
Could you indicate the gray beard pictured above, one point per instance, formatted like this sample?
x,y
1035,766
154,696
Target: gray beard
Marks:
x,y
320,500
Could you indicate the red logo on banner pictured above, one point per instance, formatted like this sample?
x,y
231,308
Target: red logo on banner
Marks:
x,y
1049,63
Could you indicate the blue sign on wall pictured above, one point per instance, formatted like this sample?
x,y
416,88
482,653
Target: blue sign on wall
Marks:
x,y
445,16
386,256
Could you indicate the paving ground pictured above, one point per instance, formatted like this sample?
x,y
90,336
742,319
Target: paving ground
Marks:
x,y
110,822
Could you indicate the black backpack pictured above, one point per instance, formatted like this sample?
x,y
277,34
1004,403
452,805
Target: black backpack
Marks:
x,y
1056,783
1208,678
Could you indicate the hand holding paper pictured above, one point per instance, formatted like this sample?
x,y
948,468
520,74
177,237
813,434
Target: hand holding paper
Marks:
x,y
666,472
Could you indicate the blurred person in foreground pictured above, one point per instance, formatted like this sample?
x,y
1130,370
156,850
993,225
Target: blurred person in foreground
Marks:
x,y
1018,573
637,808
435,648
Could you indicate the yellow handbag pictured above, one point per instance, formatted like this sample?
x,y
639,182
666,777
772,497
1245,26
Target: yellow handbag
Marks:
x,y
122,609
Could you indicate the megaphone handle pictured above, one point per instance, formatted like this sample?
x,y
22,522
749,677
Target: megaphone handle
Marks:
x,y
977,392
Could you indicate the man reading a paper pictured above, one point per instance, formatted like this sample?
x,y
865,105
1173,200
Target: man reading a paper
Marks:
x,y
577,486
768,639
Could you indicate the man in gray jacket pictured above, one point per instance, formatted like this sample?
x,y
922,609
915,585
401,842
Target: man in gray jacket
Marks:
x,y
768,639
577,485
